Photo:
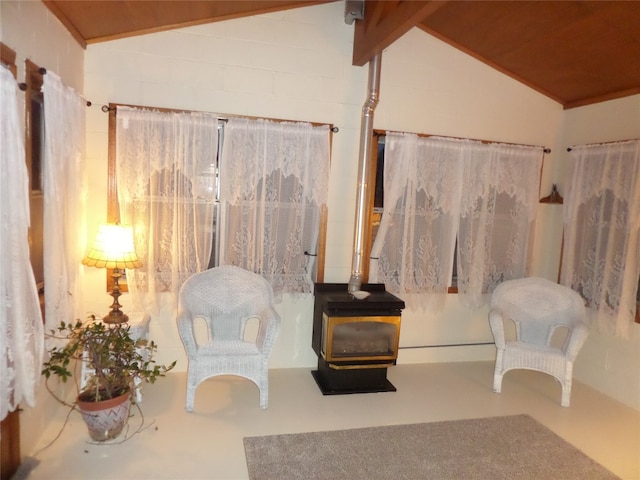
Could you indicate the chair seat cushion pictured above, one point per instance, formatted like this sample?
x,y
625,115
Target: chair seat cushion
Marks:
x,y
217,348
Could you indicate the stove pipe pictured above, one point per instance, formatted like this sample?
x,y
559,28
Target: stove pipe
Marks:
x,y
366,136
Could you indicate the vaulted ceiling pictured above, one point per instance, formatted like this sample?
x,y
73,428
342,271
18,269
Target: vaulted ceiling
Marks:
x,y
575,52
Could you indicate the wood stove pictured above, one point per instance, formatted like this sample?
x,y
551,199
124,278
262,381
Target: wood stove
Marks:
x,y
355,340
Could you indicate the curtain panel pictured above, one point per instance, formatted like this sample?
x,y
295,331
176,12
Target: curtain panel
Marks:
x,y
166,176
500,189
439,190
601,224
273,183
21,330
414,247
65,193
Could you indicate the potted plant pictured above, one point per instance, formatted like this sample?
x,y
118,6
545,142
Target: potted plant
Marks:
x,y
115,365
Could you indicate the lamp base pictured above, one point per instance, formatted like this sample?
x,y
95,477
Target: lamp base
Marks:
x,y
115,316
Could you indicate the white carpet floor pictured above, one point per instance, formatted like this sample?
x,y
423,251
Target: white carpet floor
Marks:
x,y
207,444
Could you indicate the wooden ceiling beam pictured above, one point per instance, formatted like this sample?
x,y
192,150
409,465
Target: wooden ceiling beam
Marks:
x,y
384,22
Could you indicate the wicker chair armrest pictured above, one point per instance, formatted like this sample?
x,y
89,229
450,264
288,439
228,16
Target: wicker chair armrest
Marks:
x,y
269,328
575,341
185,328
496,323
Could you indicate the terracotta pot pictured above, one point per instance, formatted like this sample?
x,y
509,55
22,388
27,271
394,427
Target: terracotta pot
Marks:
x,y
105,419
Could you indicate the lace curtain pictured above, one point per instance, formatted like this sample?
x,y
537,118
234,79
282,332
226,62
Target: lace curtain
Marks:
x,y
414,247
601,224
499,203
274,181
439,189
166,175
64,191
21,331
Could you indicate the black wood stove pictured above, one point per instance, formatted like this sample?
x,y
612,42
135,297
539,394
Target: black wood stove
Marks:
x,y
355,340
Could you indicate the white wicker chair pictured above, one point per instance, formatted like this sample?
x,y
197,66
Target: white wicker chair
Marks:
x,y
225,299
538,307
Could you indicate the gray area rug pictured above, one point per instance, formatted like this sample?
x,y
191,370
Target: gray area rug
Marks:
x,y
509,447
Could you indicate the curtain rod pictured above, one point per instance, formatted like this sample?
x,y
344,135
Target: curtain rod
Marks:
x,y
601,143
114,106
108,108
427,135
43,71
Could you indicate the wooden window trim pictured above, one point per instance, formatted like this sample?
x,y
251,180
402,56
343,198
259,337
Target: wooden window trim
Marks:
x,y
637,319
33,82
8,58
33,90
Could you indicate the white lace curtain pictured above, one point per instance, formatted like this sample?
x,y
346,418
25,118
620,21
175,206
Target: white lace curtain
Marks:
x,y
166,175
21,331
274,181
499,202
64,192
439,189
601,224
414,247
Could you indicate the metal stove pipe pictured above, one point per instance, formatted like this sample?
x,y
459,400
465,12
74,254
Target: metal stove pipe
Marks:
x,y
366,136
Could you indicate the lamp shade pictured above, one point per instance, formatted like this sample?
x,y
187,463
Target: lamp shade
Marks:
x,y
113,248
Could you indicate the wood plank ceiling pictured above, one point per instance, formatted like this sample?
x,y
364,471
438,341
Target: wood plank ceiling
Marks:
x,y
575,52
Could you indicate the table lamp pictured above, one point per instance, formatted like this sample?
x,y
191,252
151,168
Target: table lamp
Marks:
x,y
113,248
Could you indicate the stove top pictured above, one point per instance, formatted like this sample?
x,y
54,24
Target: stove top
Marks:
x,y
335,296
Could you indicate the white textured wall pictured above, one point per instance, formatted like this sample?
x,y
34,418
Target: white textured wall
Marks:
x,y
607,363
28,28
297,65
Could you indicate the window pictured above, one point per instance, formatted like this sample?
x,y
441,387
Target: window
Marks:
x,y
378,204
163,182
378,190
151,203
461,211
603,218
166,191
601,207
274,187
